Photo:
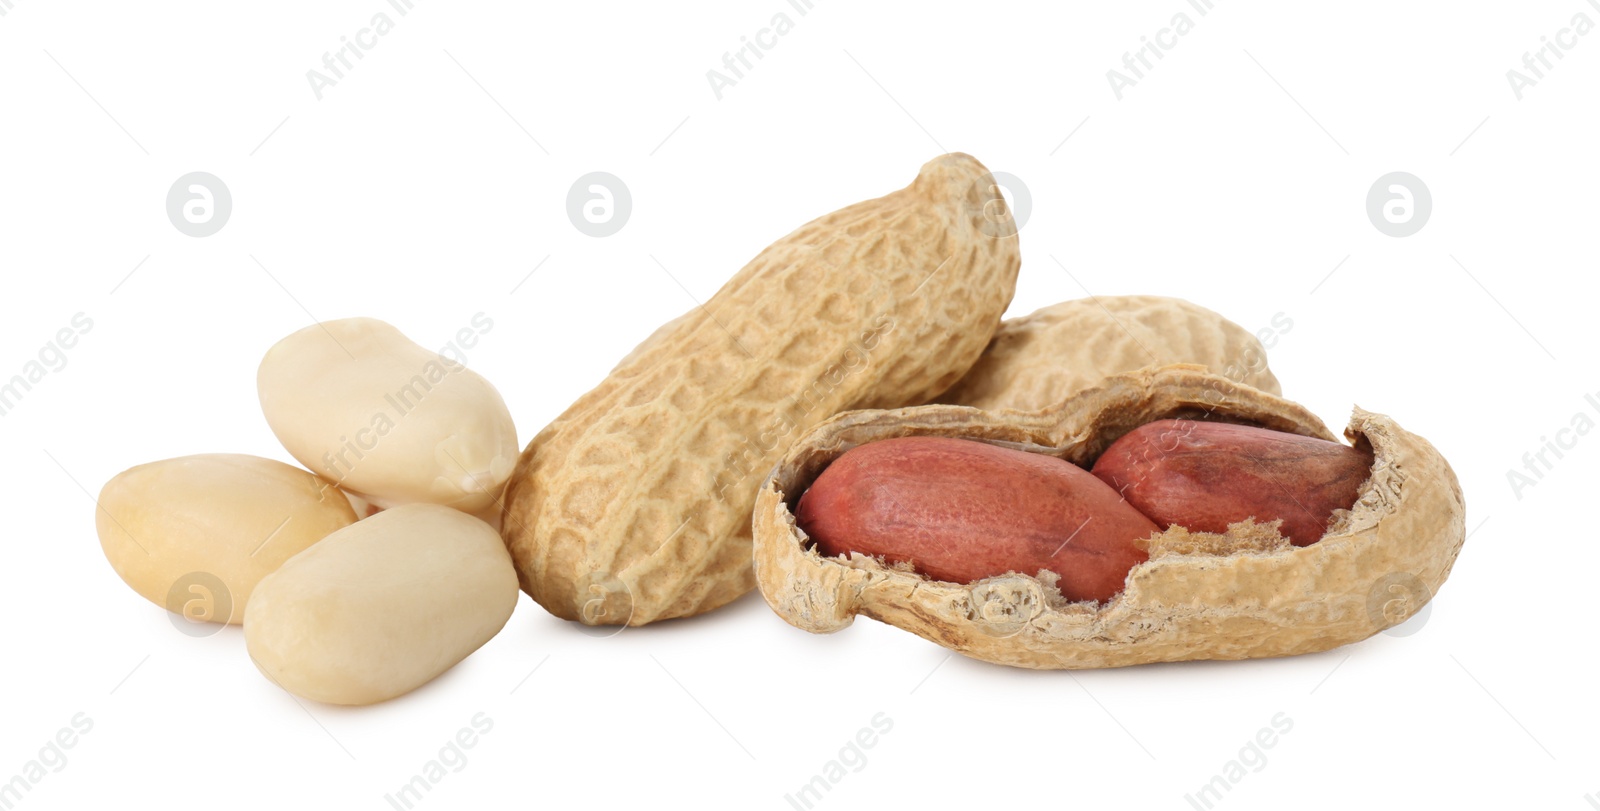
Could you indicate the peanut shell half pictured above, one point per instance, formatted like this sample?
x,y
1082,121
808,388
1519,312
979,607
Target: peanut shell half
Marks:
x,y
1240,595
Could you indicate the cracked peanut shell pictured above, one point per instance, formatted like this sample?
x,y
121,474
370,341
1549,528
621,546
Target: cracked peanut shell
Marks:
x,y
634,505
1040,359
1243,594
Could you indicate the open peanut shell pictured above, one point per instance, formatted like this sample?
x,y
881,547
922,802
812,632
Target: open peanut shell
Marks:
x,y
1240,595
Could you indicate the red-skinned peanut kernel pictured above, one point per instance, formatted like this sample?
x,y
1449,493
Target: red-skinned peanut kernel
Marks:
x,y
961,510
1205,475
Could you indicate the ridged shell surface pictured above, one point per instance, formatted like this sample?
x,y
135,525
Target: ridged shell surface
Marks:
x,y
634,505
1040,359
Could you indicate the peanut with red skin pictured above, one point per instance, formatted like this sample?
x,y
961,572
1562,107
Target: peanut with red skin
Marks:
x,y
961,510
1205,475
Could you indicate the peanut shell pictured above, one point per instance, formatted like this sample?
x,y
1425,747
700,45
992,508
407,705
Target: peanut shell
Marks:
x,y
634,505
1040,359
1242,594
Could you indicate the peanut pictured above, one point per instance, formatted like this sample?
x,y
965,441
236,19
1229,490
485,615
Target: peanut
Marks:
x,y
961,511
363,406
382,606
1203,476
634,505
1037,360
196,534
1245,593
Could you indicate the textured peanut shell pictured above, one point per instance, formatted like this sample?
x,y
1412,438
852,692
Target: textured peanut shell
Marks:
x,y
1240,595
1040,359
634,505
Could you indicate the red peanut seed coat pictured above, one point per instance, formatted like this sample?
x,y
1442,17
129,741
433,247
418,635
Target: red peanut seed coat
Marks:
x,y
960,510
1205,475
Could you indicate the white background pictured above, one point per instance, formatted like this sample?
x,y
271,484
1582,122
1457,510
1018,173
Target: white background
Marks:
x,y
428,184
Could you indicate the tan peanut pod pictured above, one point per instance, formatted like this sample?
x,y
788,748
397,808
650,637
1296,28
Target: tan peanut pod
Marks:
x,y
1240,595
1040,359
634,505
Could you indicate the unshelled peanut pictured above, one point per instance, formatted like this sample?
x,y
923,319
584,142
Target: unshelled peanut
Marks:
x,y
1039,359
634,505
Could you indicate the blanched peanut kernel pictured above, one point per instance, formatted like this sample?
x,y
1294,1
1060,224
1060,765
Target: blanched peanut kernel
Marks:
x,y
360,404
383,606
227,519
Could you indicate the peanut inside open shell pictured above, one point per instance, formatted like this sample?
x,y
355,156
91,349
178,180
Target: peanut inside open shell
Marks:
x,y
1240,595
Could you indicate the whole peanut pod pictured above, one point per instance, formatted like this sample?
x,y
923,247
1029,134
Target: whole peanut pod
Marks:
x,y
634,505
1203,476
960,510
1037,360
